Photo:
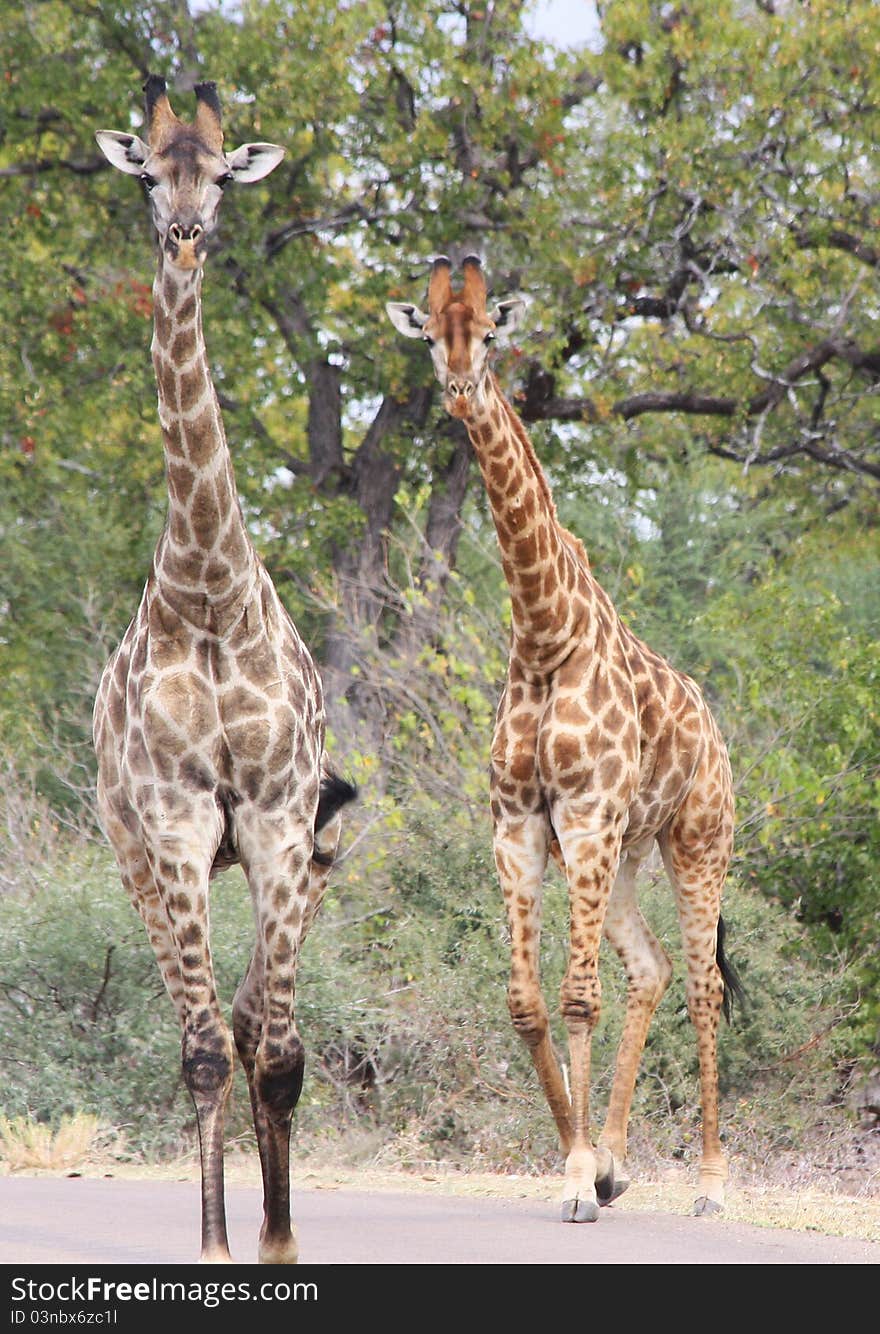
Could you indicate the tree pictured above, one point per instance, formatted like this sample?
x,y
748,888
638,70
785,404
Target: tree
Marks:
x,y
725,262
409,128
689,211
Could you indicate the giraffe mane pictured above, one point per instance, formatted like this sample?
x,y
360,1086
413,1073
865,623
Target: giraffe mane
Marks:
x,y
522,436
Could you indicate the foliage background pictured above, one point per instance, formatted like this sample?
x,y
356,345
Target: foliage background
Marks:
x,y
689,208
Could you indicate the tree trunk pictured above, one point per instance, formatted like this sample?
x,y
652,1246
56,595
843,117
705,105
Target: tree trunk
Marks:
x,y
360,567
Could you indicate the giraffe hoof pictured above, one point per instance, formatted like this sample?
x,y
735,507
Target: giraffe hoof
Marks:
x,y
705,1208
609,1187
607,1191
579,1211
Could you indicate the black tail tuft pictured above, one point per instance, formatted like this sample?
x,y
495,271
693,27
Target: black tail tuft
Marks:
x,y
733,987
335,792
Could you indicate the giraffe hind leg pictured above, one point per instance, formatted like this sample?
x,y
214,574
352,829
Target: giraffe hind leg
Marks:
x,y
698,881
706,1205
648,971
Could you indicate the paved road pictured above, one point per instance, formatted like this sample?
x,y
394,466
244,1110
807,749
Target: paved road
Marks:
x,y
83,1221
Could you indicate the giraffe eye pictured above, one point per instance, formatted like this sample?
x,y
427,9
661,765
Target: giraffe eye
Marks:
x,y
490,337
147,181
224,180
429,340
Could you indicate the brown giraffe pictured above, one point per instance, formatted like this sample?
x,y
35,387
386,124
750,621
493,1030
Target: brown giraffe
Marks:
x,y
209,720
600,749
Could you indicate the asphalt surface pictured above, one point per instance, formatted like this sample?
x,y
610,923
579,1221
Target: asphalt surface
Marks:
x,y
85,1221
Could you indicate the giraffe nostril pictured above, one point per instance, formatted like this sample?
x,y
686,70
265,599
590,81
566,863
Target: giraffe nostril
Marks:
x,y
178,233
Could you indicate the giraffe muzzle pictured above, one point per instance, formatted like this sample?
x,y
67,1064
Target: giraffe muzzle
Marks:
x,y
459,396
185,245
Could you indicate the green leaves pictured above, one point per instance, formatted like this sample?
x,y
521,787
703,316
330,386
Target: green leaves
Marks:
x,y
691,213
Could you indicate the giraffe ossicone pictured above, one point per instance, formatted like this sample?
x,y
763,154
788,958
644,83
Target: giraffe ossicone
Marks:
x,y
601,750
209,718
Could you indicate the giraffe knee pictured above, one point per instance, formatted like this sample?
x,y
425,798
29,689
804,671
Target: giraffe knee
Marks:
x,y
580,1011
581,1001
531,1022
246,1028
279,1077
207,1068
705,997
649,985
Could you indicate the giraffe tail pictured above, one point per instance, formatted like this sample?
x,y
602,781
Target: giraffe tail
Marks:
x,y
335,792
733,987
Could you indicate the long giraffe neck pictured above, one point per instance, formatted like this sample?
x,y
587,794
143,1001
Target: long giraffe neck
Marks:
x,y
543,564
205,561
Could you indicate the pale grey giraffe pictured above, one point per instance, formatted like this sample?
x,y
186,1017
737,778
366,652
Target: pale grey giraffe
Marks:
x,y
209,720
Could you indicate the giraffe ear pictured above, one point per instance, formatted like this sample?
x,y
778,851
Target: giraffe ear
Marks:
x,y
406,318
125,151
252,162
507,316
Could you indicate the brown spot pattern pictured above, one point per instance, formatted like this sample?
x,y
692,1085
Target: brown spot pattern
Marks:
x,y
600,749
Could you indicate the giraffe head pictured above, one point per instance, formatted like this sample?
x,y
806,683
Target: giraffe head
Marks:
x,y
459,330
184,169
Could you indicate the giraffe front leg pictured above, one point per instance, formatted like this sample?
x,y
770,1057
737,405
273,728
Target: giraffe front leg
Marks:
x,y
247,1026
206,1046
207,1073
273,1058
266,1036
278,1078
590,859
521,858
278,1241
248,1016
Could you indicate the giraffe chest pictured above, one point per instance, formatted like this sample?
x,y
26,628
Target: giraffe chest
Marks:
x,y
573,736
196,712
605,732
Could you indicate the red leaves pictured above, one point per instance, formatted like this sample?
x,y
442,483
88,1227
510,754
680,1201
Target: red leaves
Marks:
x,y
138,297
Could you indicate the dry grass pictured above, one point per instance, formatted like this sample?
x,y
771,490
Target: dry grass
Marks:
x,y
771,1207
27,1145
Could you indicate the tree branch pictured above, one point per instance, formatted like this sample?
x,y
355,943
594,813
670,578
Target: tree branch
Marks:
x,y
841,240
80,167
539,402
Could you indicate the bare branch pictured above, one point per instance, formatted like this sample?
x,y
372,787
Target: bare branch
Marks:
x,y
841,240
539,402
81,167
